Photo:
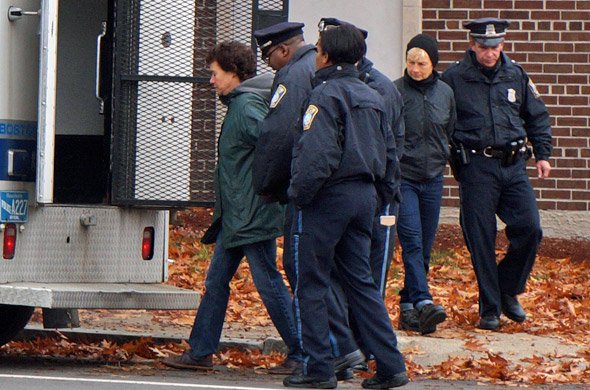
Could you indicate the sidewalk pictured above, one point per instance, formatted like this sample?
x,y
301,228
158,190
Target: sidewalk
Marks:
x,y
425,351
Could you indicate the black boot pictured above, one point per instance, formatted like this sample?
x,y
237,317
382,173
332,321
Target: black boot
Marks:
x,y
430,316
306,381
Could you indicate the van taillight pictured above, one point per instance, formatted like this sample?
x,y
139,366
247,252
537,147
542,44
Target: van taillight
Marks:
x,y
9,240
147,243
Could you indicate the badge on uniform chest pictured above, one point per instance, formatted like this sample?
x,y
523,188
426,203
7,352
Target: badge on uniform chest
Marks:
x,y
511,95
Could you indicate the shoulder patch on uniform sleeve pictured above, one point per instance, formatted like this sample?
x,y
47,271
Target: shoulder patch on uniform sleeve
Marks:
x,y
534,89
309,116
279,94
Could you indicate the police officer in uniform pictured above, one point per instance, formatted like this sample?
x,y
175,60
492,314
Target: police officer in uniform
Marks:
x,y
284,49
383,236
343,161
499,110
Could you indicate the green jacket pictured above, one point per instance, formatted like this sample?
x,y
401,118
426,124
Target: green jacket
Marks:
x,y
245,217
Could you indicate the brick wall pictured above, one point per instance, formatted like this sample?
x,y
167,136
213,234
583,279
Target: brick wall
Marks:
x,y
551,39
203,105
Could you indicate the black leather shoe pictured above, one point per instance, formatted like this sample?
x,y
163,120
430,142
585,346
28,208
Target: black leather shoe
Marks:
x,y
377,382
512,309
430,316
489,323
349,360
288,367
309,382
187,361
408,320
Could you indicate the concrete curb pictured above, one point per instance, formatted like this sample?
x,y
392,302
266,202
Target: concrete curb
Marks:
x,y
31,332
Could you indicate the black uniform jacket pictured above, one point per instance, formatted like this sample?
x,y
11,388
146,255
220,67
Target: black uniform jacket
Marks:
x,y
497,111
429,115
282,126
392,97
346,137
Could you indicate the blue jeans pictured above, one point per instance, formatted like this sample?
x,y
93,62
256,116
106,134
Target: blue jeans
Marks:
x,y
416,228
206,332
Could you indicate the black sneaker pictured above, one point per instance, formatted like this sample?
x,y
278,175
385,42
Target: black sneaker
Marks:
x,y
377,382
408,320
430,316
306,381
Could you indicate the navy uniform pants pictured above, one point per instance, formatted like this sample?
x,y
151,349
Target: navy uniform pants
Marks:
x,y
382,245
342,339
334,233
488,189
343,326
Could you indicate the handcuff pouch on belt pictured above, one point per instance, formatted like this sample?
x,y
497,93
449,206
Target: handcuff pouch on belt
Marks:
x,y
458,157
515,150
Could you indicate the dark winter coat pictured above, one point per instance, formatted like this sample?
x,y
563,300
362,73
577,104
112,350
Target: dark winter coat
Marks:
x,y
246,217
346,137
429,114
497,111
282,126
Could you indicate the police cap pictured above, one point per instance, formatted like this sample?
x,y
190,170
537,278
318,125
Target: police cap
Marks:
x,y
488,31
327,22
277,33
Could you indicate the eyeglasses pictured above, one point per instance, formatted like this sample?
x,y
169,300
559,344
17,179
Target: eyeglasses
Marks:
x,y
266,58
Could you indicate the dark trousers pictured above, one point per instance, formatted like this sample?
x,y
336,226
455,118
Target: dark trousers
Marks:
x,y
382,245
334,232
288,264
342,340
488,189
342,322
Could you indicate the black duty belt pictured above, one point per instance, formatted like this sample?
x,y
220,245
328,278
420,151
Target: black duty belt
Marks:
x,y
490,152
508,154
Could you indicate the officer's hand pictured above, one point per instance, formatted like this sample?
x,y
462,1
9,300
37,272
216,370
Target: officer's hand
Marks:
x,y
543,169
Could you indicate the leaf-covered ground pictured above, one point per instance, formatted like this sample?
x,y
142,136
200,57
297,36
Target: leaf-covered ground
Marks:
x,y
557,301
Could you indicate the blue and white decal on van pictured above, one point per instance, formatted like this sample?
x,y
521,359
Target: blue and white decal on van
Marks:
x,y
14,206
18,150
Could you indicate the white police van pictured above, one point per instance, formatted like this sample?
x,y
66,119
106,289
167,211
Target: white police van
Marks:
x,y
107,121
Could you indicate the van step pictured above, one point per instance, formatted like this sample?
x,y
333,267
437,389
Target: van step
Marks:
x,y
99,296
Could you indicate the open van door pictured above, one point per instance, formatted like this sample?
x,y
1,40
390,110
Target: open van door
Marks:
x,y
164,109
165,113
46,101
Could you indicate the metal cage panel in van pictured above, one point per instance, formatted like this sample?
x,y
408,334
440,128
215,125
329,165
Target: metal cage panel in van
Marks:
x,y
166,116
